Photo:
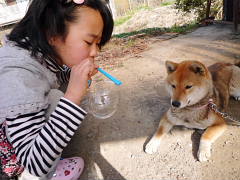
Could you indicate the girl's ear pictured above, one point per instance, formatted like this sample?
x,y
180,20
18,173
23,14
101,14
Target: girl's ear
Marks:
x,y
52,41
171,66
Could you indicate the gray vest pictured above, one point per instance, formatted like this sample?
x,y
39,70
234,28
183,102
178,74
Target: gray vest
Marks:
x,y
25,82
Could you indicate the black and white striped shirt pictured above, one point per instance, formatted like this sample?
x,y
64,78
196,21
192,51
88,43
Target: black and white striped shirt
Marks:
x,y
37,141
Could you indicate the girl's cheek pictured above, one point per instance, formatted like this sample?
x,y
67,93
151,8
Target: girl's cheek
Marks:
x,y
84,54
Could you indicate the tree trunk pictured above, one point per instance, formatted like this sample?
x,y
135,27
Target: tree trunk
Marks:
x,y
209,2
236,15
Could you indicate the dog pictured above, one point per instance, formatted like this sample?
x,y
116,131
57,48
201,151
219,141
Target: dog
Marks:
x,y
192,87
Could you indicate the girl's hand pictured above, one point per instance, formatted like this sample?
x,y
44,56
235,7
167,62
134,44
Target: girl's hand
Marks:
x,y
78,82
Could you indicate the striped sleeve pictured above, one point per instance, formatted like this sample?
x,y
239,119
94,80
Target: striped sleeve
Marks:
x,y
64,75
38,142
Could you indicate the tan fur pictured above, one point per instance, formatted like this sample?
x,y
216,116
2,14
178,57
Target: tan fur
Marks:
x,y
222,82
234,84
159,132
191,84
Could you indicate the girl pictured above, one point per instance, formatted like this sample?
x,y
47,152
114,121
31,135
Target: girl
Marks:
x,y
55,43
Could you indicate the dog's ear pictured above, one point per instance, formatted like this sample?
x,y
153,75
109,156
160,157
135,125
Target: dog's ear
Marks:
x,y
198,68
171,66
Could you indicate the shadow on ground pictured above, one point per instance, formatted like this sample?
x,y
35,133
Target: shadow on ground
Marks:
x,y
113,147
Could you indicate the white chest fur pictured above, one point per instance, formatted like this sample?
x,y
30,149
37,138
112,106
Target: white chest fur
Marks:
x,y
199,119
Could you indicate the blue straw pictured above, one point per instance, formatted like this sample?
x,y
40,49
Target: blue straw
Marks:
x,y
116,81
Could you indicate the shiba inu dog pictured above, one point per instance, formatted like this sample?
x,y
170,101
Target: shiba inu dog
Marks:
x,y
192,86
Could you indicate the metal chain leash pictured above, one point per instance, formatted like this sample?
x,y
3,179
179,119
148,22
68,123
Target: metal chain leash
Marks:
x,y
213,106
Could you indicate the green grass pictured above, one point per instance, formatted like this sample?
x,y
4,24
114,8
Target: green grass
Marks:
x,y
130,13
128,16
122,20
158,31
182,29
143,7
167,3
147,31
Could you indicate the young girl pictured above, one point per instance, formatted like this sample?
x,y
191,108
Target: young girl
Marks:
x,y
55,43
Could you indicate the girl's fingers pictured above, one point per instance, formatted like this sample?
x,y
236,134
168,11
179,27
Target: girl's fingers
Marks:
x,y
86,67
84,70
94,71
78,82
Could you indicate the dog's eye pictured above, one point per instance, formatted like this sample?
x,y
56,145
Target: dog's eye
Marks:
x,y
188,87
173,86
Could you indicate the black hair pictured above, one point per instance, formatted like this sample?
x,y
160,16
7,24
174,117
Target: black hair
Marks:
x,y
48,18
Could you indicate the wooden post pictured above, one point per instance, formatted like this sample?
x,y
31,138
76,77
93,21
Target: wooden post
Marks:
x,y
236,15
224,11
209,2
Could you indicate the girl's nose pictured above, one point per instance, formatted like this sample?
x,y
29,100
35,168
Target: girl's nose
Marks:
x,y
94,50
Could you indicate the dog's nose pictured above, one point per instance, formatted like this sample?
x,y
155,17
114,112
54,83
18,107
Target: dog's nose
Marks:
x,y
176,103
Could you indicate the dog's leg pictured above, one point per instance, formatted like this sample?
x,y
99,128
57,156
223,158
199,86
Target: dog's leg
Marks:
x,y
235,84
224,96
235,91
208,137
163,128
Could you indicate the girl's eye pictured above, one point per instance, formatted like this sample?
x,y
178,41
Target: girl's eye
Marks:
x,y
88,43
173,86
91,43
188,87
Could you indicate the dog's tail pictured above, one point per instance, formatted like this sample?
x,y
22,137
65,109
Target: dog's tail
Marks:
x,y
237,62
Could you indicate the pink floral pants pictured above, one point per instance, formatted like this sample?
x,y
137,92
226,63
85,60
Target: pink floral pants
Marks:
x,y
9,164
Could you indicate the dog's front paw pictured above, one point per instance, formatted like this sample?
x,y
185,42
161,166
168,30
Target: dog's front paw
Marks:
x,y
204,155
204,152
237,98
152,146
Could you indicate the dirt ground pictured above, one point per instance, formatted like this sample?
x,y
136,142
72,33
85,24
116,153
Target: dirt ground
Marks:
x,y
113,148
